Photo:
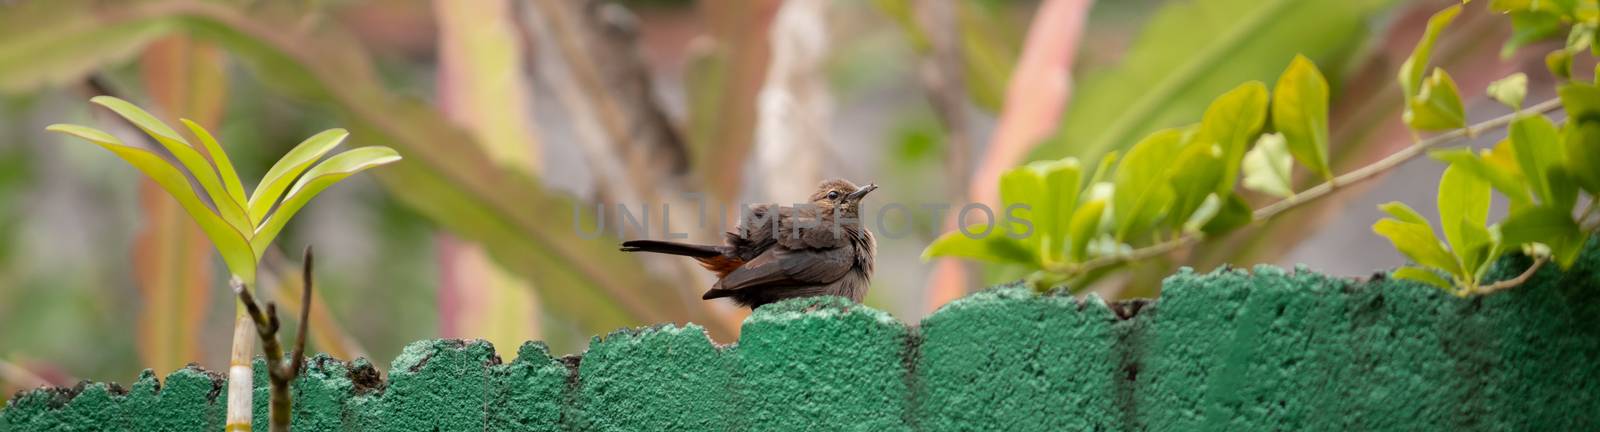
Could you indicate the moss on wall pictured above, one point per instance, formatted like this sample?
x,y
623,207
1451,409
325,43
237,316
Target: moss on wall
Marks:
x,y
1268,349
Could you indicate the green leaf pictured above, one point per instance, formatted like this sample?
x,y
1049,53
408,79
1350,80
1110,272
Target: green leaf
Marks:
x,y
1415,66
1581,101
996,247
53,43
1508,182
1142,193
1563,187
1559,62
1463,200
1266,167
1545,225
1102,171
1437,106
1194,178
1477,249
1404,213
1235,213
1233,121
219,158
1300,113
1534,141
1419,274
1191,51
1510,90
1580,37
322,176
192,160
290,166
230,243
1024,185
1416,241
1582,148
1528,27
1059,188
1085,224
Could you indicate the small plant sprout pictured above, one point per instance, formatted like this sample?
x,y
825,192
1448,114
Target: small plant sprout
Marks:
x,y
240,226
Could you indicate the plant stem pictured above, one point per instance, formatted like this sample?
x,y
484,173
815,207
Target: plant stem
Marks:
x,y
241,377
1318,191
1513,282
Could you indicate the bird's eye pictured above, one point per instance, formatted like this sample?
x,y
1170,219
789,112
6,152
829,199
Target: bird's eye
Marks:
x,y
833,194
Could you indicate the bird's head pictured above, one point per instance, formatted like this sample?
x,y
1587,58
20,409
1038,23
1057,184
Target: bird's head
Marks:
x,y
840,197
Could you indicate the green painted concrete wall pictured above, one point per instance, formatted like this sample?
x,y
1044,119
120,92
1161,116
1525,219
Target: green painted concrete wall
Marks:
x,y
1269,349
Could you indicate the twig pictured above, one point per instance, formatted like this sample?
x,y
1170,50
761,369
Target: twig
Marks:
x,y
280,373
1513,282
299,362
1320,190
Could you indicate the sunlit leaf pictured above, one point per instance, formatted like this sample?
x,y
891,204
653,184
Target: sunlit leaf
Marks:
x,y
1142,192
283,173
1437,106
1549,226
230,243
1422,275
1508,182
1084,226
993,245
1025,186
1233,121
1510,90
1415,66
1582,154
1580,37
1055,185
1534,140
1463,199
1300,114
230,176
1266,167
1403,212
317,179
1416,241
197,165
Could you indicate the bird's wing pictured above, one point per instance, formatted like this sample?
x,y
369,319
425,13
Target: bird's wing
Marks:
x,y
788,267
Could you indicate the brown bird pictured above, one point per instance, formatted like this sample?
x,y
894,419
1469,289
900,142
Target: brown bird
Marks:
x,y
787,252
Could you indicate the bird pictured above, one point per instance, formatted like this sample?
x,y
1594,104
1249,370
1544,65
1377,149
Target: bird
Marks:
x,y
778,253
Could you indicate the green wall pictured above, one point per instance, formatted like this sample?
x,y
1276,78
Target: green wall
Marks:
x,y
1269,349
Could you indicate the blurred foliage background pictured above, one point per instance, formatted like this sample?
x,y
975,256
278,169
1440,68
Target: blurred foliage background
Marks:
x,y
517,117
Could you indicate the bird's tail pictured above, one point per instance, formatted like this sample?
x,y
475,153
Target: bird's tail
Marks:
x,y
671,248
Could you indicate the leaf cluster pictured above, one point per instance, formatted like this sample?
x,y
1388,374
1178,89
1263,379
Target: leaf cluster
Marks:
x,y
1540,168
240,225
1174,183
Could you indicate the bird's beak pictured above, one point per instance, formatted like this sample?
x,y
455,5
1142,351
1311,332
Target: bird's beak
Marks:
x,y
860,193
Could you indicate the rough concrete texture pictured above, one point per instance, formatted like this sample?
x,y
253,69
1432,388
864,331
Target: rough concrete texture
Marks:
x,y
1269,349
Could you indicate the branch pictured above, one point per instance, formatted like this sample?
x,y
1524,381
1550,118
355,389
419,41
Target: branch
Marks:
x,y
1513,282
1320,190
